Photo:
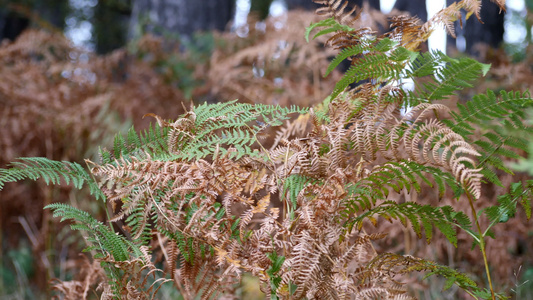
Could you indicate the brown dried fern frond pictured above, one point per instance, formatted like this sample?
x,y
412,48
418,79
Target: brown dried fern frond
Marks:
x,y
336,9
447,16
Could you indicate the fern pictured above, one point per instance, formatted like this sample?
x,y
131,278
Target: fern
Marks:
x,y
425,217
409,175
382,61
292,186
51,171
495,117
484,108
506,208
210,128
101,238
448,75
401,264
331,26
203,182
151,142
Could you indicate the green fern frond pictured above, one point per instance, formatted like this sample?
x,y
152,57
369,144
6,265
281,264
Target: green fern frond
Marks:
x,y
383,61
139,224
500,121
426,63
488,107
397,175
151,142
207,129
402,264
100,236
51,171
240,140
185,244
331,26
232,114
447,75
345,54
421,217
494,148
507,204
292,186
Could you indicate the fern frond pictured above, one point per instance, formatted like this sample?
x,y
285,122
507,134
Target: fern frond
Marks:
x,y
100,236
452,13
336,9
406,31
210,128
401,264
346,53
331,25
421,217
506,208
152,142
397,175
52,172
494,117
305,265
382,61
488,107
292,186
447,75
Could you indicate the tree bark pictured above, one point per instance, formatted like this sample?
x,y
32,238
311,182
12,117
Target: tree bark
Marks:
x,y
183,17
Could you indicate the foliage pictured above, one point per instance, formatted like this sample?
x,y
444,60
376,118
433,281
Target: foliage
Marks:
x,y
203,189
66,102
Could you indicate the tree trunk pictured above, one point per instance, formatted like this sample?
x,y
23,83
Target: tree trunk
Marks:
x,y
302,4
474,32
183,17
16,15
110,22
414,7
12,25
261,8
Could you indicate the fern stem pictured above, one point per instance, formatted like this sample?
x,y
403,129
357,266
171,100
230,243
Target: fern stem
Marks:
x,y
481,244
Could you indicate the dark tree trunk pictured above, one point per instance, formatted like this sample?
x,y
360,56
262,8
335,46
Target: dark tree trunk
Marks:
x,y
12,25
111,21
474,32
308,4
261,8
302,4
15,15
53,11
414,7
183,17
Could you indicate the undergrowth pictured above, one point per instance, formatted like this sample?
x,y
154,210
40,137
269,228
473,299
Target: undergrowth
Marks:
x,y
210,197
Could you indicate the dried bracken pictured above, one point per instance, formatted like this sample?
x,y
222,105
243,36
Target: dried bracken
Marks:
x,y
217,201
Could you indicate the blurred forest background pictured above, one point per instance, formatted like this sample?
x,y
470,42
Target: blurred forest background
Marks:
x,y
76,72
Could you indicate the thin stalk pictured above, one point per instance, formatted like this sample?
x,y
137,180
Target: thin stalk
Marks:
x,y
481,244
